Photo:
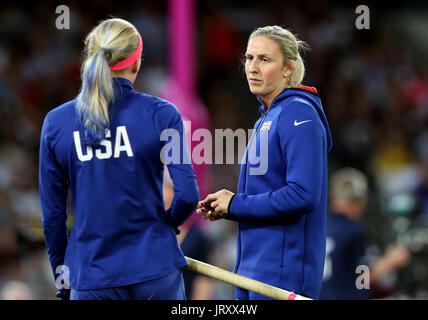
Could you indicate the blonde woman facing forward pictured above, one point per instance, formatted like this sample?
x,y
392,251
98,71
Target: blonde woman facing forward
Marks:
x,y
281,200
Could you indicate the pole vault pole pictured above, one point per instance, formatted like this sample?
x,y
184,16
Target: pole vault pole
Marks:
x,y
241,281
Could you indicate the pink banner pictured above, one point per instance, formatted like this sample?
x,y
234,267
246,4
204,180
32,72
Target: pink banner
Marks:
x,y
180,88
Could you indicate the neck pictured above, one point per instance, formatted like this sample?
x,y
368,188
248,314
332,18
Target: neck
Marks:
x,y
129,76
268,99
266,102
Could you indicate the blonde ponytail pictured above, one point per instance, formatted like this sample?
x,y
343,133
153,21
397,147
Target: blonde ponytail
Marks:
x,y
111,41
96,95
299,72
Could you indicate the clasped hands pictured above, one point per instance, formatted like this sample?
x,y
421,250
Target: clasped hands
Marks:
x,y
215,205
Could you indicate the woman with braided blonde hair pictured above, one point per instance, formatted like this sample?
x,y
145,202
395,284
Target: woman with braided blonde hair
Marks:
x,y
281,199
106,147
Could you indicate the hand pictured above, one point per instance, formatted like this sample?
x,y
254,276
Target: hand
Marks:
x,y
215,205
397,256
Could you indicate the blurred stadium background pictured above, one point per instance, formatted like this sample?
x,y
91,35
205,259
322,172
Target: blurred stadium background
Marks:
x,y
373,83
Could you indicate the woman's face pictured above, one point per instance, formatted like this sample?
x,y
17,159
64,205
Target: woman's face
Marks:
x,y
265,68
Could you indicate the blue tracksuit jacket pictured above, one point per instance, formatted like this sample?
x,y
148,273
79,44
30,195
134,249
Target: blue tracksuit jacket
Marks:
x,y
346,250
122,234
281,210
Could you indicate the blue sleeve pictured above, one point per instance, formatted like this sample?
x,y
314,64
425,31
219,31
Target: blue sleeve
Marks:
x,y
302,149
186,191
53,189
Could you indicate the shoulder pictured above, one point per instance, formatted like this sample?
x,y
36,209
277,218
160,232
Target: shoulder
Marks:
x,y
163,112
299,117
298,107
60,116
154,100
338,223
56,117
159,105
62,110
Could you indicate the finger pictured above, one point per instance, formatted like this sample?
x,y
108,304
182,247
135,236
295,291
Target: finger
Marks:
x,y
200,204
208,215
215,216
214,204
219,209
207,206
212,216
210,198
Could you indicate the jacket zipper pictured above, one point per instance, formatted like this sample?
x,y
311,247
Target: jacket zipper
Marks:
x,y
249,148
245,184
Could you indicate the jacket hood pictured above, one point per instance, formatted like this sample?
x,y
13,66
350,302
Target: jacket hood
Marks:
x,y
310,94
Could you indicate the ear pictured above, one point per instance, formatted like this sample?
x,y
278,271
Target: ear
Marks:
x,y
288,69
135,66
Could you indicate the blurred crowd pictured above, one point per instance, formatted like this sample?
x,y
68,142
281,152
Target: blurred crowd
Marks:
x,y
374,93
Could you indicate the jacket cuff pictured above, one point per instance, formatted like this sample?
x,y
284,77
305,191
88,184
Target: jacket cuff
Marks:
x,y
230,215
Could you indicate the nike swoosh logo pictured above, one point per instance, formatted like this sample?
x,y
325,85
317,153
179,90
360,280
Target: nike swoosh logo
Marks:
x,y
299,123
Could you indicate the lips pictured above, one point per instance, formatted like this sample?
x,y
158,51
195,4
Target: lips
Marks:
x,y
255,80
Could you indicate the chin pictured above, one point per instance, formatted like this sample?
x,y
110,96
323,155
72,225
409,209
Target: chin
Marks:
x,y
255,90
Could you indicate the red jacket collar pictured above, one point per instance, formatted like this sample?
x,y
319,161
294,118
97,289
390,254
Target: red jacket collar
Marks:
x,y
307,88
311,89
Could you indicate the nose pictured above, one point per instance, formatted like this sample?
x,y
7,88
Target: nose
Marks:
x,y
252,66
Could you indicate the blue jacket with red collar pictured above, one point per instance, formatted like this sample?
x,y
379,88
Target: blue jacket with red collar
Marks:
x,y
122,234
281,201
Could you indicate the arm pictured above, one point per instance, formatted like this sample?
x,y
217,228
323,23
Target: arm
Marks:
x,y
302,149
53,197
186,192
396,257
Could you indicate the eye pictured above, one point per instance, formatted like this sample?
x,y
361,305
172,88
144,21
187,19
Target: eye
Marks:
x,y
247,58
265,60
